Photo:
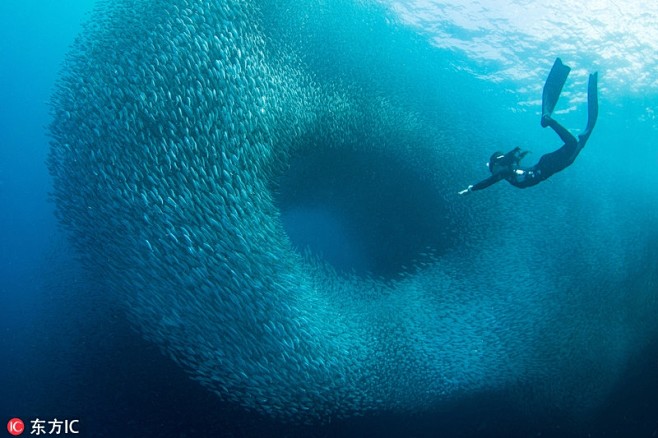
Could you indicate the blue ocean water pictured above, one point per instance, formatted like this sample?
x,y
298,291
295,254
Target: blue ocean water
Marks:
x,y
71,351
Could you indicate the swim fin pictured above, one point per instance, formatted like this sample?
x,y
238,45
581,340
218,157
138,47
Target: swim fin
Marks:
x,y
553,86
592,105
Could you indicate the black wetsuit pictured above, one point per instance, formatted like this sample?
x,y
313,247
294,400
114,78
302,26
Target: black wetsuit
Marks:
x,y
508,166
548,164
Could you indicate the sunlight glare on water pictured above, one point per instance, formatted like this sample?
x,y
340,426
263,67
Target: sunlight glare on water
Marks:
x,y
518,39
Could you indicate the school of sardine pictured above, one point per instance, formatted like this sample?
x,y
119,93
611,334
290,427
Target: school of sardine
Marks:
x,y
171,122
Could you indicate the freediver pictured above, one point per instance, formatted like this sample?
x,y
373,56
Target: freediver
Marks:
x,y
507,166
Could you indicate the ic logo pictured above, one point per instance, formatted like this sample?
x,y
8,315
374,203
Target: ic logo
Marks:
x,y
15,426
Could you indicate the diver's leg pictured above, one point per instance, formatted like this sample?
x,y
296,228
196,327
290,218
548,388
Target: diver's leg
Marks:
x,y
553,162
560,159
565,135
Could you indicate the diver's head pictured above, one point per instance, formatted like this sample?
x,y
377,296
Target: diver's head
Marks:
x,y
497,162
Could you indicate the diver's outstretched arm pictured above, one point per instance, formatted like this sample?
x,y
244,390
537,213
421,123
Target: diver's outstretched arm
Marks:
x,y
493,179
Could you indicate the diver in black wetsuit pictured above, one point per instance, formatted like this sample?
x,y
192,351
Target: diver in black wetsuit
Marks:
x,y
507,166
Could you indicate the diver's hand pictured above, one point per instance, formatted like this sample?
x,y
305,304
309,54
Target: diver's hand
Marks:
x,y
466,191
